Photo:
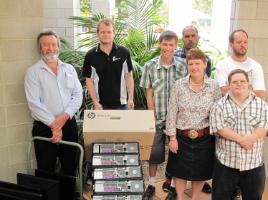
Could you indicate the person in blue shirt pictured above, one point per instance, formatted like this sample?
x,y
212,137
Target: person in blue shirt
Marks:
x,y
190,39
54,95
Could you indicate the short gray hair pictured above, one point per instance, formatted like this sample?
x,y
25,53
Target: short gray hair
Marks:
x,y
189,27
44,33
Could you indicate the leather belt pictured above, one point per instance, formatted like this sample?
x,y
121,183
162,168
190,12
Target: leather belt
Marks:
x,y
193,134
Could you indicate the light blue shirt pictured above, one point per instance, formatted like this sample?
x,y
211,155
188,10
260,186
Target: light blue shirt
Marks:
x,y
49,94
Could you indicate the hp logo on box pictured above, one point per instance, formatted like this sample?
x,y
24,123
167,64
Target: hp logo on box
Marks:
x,y
91,115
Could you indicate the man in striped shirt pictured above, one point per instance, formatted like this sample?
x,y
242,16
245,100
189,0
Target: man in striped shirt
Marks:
x,y
240,122
157,78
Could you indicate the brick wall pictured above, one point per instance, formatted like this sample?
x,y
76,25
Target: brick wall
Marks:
x,y
252,16
55,17
19,25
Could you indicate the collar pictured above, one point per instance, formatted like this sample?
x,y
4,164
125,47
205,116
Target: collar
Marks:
x,y
180,52
235,61
43,65
160,65
250,97
98,49
184,51
186,80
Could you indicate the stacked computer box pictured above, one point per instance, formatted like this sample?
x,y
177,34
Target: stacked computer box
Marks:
x,y
117,172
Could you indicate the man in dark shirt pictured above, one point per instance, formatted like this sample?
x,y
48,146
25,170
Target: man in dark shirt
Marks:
x,y
108,71
190,40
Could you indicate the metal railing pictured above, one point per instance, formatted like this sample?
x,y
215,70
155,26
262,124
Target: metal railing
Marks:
x,y
80,170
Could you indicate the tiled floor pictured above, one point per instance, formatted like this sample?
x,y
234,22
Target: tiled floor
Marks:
x,y
160,195
160,177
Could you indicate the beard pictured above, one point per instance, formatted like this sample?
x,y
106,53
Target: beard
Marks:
x,y
240,53
50,56
190,46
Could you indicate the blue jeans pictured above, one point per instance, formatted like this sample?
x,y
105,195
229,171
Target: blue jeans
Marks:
x,y
225,180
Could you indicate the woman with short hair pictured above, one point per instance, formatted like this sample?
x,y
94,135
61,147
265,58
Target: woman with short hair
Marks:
x,y
191,146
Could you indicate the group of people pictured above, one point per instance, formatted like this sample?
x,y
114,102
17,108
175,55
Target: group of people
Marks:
x,y
215,128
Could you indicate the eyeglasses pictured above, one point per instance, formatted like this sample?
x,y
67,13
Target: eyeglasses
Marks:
x,y
239,82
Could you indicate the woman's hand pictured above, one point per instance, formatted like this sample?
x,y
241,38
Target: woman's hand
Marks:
x,y
173,145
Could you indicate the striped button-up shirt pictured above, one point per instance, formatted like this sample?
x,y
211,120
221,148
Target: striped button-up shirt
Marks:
x,y
243,120
49,95
160,79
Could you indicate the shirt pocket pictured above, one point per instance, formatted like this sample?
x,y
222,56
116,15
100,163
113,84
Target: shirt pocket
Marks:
x,y
230,122
158,85
253,121
69,78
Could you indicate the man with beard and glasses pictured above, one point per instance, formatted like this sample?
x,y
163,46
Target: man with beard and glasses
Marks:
x,y
238,41
54,95
108,71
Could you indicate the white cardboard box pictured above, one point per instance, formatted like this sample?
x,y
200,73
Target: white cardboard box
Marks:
x,y
120,126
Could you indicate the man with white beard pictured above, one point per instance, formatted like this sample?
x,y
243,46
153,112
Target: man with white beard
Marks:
x,y
54,95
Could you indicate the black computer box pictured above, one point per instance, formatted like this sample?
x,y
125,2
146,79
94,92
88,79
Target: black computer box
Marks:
x,y
118,160
116,148
121,187
117,197
116,173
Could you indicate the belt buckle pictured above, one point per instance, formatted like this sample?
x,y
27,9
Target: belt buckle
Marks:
x,y
193,134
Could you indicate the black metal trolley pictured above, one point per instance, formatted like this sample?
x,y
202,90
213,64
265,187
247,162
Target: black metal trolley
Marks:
x,y
79,178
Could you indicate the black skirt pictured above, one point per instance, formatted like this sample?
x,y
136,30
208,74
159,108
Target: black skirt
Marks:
x,y
194,159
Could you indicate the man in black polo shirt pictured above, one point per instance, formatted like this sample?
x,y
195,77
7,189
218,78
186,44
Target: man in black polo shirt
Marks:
x,y
108,71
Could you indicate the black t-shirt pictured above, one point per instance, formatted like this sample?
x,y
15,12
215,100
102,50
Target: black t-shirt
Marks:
x,y
107,72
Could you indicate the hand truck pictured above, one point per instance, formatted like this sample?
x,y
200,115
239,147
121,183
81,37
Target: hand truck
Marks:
x,y
79,178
